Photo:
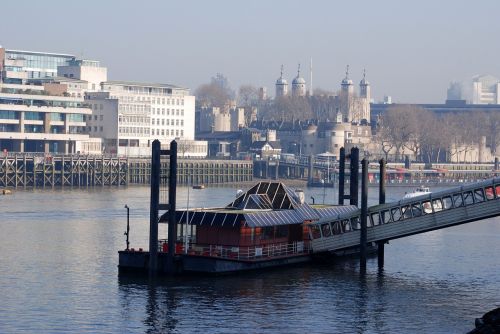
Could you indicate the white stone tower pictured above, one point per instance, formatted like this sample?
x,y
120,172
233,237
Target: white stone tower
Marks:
x,y
364,95
346,97
298,85
281,85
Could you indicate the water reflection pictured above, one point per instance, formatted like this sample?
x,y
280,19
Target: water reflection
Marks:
x,y
319,298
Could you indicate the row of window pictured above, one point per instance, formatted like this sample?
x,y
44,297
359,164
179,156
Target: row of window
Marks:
x,y
164,132
89,117
161,101
134,130
176,112
412,210
167,122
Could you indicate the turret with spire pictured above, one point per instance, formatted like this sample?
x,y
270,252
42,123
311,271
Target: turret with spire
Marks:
x,y
281,85
298,85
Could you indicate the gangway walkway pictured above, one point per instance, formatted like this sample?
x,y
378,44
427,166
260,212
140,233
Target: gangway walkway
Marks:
x,y
410,216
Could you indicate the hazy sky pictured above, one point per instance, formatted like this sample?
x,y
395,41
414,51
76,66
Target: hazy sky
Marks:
x,y
411,49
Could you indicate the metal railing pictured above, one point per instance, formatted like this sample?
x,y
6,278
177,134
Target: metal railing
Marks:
x,y
247,253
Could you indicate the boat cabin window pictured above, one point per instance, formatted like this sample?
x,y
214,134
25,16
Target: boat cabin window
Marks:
x,y
478,195
458,200
396,214
405,211
489,193
427,208
375,219
355,223
468,199
437,205
325,230
346,225
497,190
386,217
337,228
316,234
416,209
447,203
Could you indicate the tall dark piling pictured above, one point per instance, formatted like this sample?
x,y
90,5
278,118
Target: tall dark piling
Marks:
x,y
310,170
497,165
341,175
364,213
381,200
172,192
154,206
354,185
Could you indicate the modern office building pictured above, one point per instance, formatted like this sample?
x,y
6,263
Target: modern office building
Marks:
x,y
34,120
128,116
38,115
31,65
90,71
485,90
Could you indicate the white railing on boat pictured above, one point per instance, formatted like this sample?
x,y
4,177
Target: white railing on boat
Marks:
x,y
251,253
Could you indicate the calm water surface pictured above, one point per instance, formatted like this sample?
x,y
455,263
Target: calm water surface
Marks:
x,y
58,273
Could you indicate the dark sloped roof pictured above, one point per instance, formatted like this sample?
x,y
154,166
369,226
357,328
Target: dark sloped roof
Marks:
x,y
267,203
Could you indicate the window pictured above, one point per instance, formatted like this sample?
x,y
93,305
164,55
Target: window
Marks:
x,y
405,211
437,205
101,117
457,200
346,225
386,217
375,219
336,228
489,193
95,117
416,209
396,214
478,195
497,190
325,230
426,206
447,203
314,231
101,129
355,223
468,198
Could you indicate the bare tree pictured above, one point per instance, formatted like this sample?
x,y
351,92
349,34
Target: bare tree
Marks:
x,y
248,95
399,124
217,93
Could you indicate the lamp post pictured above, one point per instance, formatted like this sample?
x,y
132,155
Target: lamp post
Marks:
x,y
128,226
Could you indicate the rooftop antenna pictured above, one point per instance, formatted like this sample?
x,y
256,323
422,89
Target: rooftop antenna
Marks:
x,y
347,72
298,71
281,76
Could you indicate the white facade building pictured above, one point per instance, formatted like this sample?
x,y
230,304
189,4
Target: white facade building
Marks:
x,y
33,120
485,90
129,116
87,70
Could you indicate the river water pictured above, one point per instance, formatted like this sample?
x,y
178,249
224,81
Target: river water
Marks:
x,y
58,273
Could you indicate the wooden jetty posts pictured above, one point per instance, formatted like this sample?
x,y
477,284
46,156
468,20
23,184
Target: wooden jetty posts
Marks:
x,y
35,170
353,196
